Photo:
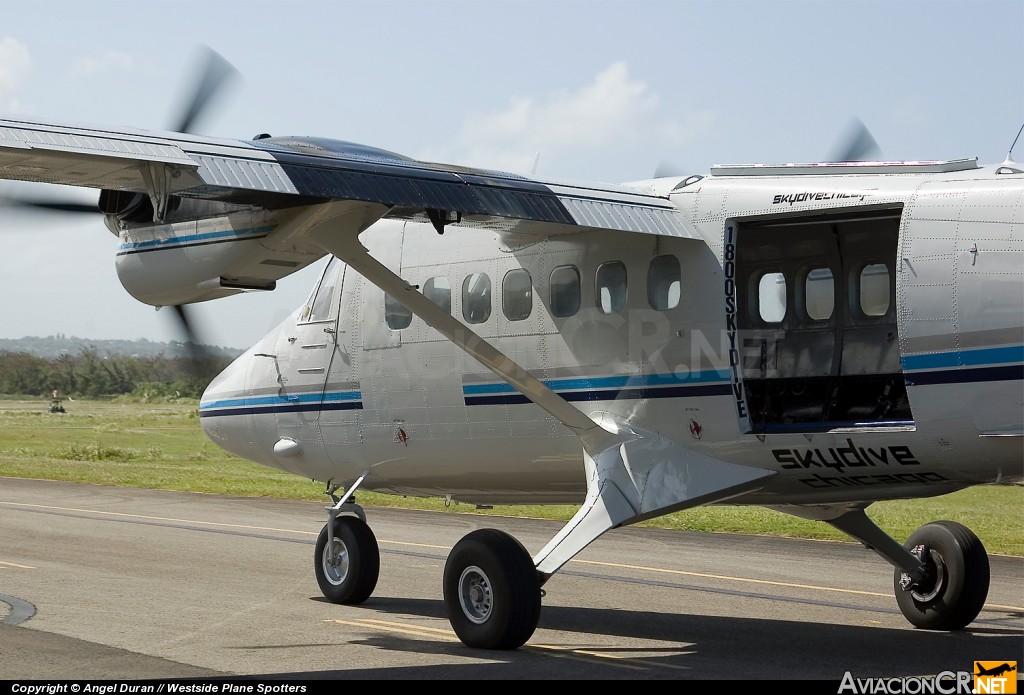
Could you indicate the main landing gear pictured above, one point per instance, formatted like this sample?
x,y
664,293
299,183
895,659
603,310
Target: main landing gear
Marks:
x,y
941,575
491,591
956,577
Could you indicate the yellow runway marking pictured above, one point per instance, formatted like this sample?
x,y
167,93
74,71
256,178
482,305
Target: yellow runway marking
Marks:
x,y
624,660
588,654
415,630
768,582
160,518
14,564
204,523
657,570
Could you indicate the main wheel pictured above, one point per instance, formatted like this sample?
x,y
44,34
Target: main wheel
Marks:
x,y
956,586
491,591
347,572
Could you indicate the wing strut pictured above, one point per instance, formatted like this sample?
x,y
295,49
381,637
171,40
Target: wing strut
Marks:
x,y
632,474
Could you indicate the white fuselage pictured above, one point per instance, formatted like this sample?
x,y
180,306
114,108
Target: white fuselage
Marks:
x,y
861,335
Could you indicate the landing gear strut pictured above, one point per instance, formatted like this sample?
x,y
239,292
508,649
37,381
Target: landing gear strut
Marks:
x,y
942,574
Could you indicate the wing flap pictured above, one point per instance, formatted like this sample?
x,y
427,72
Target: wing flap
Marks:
x,y
50,154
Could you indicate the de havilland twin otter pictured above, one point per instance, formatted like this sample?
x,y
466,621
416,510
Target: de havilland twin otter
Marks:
x,y
806,337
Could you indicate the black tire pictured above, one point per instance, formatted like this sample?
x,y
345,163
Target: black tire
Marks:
x,y
353,576
954,592
491,591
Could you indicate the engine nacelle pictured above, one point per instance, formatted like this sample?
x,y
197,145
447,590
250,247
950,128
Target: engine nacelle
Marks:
x,y
201,258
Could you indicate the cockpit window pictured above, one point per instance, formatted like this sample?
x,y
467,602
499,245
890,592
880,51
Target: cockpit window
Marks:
x,y
319,306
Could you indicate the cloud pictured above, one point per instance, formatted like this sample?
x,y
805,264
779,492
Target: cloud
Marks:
x,y
15,65
614,116
86,65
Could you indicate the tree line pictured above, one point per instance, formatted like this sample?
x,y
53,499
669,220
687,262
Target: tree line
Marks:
x,y
92,375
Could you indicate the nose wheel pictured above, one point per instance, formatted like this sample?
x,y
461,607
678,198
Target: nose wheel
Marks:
x,y
347,568
491,591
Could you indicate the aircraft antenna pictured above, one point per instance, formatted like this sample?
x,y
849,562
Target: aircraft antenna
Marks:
x,y
1009,155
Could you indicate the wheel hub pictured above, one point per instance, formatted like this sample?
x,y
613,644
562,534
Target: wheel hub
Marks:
x,y
475,595
933,582
336,562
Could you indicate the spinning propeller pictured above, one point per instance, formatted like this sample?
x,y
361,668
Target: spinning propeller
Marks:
x,y
856,145
209,80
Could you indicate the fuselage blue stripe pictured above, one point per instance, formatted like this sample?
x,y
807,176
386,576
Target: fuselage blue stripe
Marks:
x,y
194,239
629,382
284,408
965,376
691,391
965,358
289,401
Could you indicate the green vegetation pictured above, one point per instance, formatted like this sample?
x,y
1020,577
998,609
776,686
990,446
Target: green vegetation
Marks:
x,y
92,375
131,443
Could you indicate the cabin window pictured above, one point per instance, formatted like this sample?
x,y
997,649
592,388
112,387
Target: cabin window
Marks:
x,y
319,309
610,286
819,294
771,297
439,291
565,291
476,298
874,289
517,294
396,315
663,283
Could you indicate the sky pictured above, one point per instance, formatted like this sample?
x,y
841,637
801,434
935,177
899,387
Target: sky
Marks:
x,y
603,90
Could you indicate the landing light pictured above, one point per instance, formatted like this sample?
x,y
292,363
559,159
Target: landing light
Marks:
x,y
287,448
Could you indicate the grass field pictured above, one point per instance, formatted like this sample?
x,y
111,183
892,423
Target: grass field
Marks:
x,y
161,446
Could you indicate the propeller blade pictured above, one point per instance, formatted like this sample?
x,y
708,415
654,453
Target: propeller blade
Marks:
x,y
202,363
666,168
186,324
52,205
858,145
213,76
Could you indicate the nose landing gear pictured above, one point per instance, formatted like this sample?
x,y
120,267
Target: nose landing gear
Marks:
x,y
347,566
347,558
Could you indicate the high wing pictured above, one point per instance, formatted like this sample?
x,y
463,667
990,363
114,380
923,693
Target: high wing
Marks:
x,y
291,171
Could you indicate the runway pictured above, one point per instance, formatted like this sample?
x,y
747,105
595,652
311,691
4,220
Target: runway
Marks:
x,y
102,582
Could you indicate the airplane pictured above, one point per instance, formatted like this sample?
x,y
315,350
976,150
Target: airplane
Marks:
x,y
996,670
810,338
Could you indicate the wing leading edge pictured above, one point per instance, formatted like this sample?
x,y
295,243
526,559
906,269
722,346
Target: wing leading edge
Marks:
x,y
284,172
